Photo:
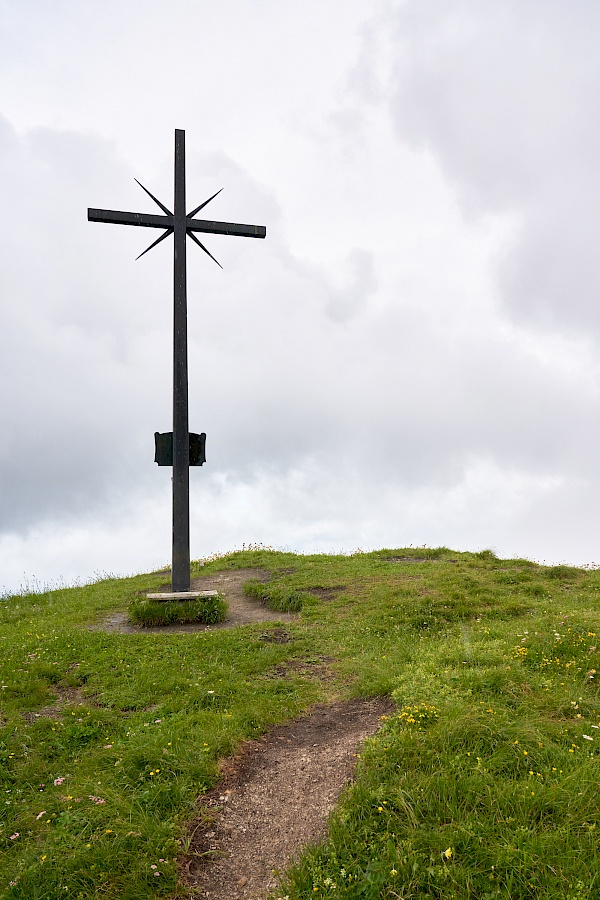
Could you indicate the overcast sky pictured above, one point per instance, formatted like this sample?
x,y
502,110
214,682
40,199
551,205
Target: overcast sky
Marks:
x,y
412,356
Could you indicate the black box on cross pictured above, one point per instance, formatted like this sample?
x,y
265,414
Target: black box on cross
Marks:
x,y
163,448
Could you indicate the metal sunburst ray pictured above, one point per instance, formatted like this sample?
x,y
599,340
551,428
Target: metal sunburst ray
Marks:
x,y
194,238
157,241
162,206
202,205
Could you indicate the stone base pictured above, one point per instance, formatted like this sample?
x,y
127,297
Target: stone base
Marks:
x,y
182,595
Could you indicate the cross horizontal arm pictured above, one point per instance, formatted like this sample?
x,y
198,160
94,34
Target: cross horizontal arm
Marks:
x,y
256,231
129,218
148,220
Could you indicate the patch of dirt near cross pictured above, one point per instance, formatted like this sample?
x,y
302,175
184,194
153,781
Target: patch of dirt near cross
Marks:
x,y
274,800
241,610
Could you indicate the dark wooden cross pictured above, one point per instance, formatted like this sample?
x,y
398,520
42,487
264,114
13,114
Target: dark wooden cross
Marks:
x,y
179,224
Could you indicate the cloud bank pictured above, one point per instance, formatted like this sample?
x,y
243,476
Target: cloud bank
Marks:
x,y
412,354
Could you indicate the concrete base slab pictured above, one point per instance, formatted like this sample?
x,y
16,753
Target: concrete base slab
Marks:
x,y
182,595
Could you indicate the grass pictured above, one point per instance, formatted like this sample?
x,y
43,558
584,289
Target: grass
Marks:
x,y
483,785
277,597
203,610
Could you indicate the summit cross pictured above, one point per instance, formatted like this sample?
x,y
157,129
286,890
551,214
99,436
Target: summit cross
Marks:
x,y
180,224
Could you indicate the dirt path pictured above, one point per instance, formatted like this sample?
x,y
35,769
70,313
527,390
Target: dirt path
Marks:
x,y
242,610
274,800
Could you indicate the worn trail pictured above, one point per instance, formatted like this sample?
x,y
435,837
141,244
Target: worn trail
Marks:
x,y
274,800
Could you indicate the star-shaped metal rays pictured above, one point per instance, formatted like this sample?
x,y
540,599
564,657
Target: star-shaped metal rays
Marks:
x,y
188,229
169,220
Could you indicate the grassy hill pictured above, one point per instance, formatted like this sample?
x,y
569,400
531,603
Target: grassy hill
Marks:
x,y
483,785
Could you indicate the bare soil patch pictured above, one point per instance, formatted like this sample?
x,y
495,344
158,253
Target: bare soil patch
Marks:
x,y
64,696
319,668
47,712
242,610
276,636
274,800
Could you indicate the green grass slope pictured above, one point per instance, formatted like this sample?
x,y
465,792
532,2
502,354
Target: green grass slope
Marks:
x,y
483,785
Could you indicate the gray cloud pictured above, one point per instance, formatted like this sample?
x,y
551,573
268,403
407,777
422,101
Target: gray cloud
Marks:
x,y
410,356
345,303
504,94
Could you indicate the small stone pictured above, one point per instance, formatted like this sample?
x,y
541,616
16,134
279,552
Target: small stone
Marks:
x,y
242,881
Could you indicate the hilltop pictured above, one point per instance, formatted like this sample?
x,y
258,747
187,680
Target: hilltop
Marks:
x,y
479,778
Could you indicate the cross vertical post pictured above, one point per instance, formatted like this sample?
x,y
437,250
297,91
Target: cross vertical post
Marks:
x,y
180,571
181,225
